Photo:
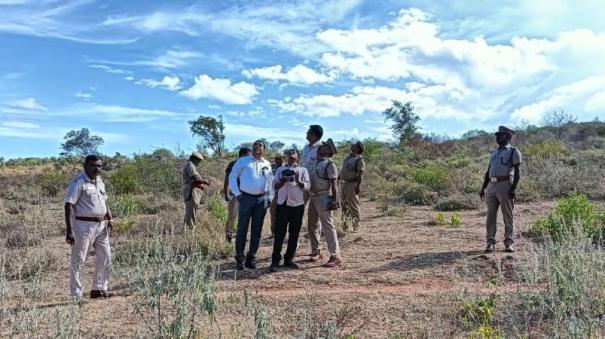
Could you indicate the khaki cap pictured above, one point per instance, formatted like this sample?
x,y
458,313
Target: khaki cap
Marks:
x,y
279,154
331,144
197,155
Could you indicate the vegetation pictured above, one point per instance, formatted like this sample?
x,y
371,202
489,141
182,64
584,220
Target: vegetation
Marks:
x,y
81,143
211,132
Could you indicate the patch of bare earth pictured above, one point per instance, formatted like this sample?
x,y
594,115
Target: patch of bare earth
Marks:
x,y
400,276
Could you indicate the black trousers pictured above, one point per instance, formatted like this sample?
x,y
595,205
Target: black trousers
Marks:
x,y
289,219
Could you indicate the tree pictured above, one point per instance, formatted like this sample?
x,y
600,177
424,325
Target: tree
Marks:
x,y
404,120
81,143
557,121
211,132
276,146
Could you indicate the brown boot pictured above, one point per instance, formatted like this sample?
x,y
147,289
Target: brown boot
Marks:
x,y
333,262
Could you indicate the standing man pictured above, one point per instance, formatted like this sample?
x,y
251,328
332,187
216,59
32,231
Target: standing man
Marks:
x,y
352,169
323,201
309,153
279,161
193,184
254,193
88,222
229,197
291,181
499,187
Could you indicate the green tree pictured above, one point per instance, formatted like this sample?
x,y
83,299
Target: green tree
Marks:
x,y
211,132
405,121
81,143
276,146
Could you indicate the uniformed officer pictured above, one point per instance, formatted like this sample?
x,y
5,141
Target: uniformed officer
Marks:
x,y
322,203
278,162
193,184
309,152
352,169
229,197
499,187
88,222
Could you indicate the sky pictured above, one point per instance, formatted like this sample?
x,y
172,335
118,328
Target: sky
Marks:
x,y
134,72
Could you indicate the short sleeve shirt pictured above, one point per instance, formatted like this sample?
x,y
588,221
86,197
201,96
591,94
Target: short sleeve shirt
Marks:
x,y
189,171
352,166
503,160
88,197
321,174
309,155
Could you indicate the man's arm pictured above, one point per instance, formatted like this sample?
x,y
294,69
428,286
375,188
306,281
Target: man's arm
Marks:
x,y
485,183
226,186
69,235
109,219
516,178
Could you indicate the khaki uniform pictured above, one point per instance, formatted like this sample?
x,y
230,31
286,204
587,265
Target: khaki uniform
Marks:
x,y
89,199
191,195
352,167
318,214
501,164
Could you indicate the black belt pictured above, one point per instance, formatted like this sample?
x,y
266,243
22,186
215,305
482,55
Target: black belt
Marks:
x,y
350,181
254,195
93,219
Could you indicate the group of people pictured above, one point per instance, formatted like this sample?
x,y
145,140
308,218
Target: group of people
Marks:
x,y
253,185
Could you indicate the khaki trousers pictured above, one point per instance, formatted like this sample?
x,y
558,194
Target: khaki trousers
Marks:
x,y
496,197
319,217
350,203
232,209
190,212
87,234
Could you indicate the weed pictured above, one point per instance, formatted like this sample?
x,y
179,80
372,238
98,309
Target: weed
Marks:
x,y
456,220
478,314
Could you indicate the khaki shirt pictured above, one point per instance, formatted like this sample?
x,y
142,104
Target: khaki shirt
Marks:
x,y
502,161
352,167
321,174
88,197
189,174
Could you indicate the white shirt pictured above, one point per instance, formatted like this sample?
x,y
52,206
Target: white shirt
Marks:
x,y
291,190
255,176
309,155
88,197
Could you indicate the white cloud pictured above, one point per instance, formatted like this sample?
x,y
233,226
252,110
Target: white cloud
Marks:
x,y
20,125
30,104
299,74
240,93
84,95
116,113
171,83
111,70
171,59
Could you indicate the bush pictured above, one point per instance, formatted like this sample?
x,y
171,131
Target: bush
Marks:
x,y
125,180
572,213
433,176
414,194
547,149
456,203
124,205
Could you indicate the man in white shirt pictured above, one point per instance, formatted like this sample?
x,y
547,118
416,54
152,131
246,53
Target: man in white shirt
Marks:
x,y
254,193
291,181
89,223
309,153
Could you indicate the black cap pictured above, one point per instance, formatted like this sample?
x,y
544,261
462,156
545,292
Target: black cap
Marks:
x,y
504,129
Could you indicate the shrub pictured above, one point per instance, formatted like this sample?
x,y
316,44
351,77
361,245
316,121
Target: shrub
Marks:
x,y
456,220
124,205
456,203
547,149
571,214
125,180
433,176
414,194
479,314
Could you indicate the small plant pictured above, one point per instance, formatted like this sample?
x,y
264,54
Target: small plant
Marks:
x,y
441,218
122,226
456,220
478,314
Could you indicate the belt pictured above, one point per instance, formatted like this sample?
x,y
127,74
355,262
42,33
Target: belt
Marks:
x,y
254,195
319,193
350,181
498,179
94,219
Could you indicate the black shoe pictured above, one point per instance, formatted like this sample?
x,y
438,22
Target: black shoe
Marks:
x,y
251,265
100,294
228,238
274,267
239,266
509,249
489,248
291,264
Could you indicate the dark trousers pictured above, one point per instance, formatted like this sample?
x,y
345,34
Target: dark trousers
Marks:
x,y
250,207
289,219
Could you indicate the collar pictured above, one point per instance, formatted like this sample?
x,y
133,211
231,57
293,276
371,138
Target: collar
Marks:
x,y
315,144
504,147
86,177
293,166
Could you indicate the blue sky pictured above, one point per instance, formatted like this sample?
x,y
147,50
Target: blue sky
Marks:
x,y
135,72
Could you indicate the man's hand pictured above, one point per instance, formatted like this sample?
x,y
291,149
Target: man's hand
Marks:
x,y
69,237
357,190
482,193
226,197
512,194
110,227
297,177
239,198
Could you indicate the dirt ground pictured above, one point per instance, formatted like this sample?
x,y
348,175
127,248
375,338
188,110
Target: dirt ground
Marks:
x,y
401,277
